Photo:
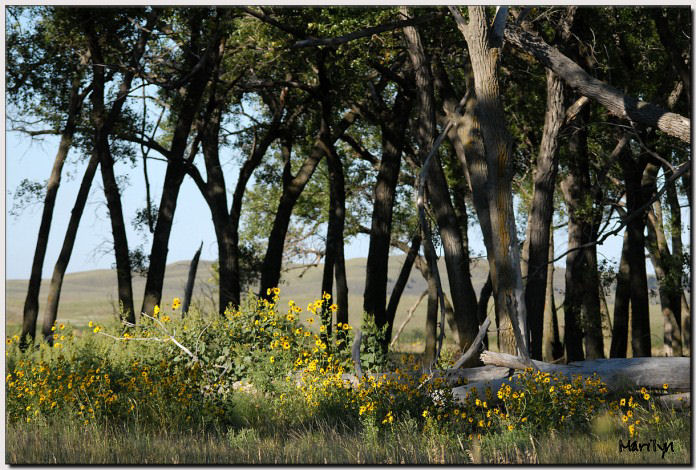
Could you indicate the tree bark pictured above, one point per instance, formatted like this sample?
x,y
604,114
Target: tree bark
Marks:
x,y
102,124
636,195
617,103
552,348
66,250
668,278
484,51
541,212
31,304
334,235
463,295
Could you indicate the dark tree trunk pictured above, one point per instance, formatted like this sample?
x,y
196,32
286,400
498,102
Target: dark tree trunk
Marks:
x,y
66,250
103,123
552,348
173,178
190,282
118,228
636,195
400,284
337,213
430,318
581,304
484,298
31,304
292,188
175,172
619,334
377,266
541,213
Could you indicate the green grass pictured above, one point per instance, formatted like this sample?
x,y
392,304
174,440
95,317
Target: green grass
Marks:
x,y
321,442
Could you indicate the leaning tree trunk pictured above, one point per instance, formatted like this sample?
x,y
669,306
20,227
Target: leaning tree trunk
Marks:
x,y
31,304
400,284
466,139
118,228
616,102
463,295
484,50
393,134
190,282
174,175
541,212
66,250
104,122
292,188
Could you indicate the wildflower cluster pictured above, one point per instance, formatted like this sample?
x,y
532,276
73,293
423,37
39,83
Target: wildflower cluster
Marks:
x,y
96,387
637,411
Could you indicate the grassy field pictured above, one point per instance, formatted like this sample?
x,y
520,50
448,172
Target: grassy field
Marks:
x,y
92,295
324,443
101,401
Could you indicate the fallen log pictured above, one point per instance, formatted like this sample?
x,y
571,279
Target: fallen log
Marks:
x,y
618,374
677,400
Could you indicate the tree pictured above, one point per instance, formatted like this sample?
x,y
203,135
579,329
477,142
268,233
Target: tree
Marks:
x,y
484,43
30,80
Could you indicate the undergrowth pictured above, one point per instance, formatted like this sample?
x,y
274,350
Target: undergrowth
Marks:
x,y
262,385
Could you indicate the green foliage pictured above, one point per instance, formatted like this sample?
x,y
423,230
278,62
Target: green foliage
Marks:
x,y
373,354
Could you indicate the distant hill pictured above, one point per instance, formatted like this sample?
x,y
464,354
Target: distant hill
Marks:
x,y
93,294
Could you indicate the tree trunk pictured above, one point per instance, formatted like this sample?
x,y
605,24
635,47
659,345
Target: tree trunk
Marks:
x,y
118,228
292,188
669,281
377,266
552,348
619,334
617,103
581,303
463,295
541,212
640,307
466,139
173,178
430,320
188,293
175,172
66,250
31,304
484,51
334,236
103,124
400,284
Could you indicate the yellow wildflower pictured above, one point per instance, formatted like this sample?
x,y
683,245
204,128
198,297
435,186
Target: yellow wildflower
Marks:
x,y
176,303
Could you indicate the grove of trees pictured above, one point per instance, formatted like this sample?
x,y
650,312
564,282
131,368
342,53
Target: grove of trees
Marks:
x,y
406,124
